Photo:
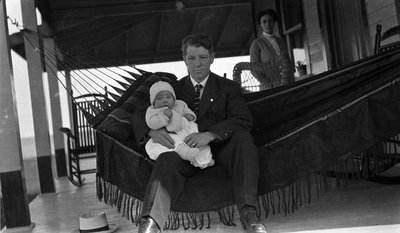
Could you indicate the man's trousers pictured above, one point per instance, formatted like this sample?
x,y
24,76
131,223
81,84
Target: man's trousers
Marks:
x,y
238,155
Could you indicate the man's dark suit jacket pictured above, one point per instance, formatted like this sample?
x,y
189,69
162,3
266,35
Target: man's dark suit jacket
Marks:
x,y
222,107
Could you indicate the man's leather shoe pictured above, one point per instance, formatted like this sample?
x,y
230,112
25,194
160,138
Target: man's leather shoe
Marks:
x,y
148,225
249,220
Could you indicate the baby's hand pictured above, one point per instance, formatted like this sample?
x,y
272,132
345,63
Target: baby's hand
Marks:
x,y
189,116
168,113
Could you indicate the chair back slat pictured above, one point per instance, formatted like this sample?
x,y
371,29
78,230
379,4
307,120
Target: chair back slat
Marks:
x,y
84,133
388,41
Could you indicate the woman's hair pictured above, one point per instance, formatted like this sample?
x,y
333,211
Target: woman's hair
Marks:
x,y
197,40
269,12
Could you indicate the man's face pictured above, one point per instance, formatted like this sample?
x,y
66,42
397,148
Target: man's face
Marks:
x,y
164,99
198,61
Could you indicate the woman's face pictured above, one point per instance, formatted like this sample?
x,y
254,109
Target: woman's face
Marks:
x,y
267,23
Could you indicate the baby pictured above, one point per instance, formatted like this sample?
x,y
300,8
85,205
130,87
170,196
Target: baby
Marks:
x,y
166,111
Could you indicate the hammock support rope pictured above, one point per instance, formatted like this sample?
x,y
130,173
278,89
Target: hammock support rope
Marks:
x,y
81,76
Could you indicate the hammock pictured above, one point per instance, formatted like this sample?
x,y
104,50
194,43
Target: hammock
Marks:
x,y
331,124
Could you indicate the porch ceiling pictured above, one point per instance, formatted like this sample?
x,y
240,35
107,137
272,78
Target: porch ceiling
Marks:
x,y
127,32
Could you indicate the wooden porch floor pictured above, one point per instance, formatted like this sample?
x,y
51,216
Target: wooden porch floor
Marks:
x,y
361,207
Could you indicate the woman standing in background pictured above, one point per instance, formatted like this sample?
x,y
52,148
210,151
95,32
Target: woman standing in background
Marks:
x,y
272,52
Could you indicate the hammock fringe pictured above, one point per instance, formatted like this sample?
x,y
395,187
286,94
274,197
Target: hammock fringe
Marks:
x,y
282,200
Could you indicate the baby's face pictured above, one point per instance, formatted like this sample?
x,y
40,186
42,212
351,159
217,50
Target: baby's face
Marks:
x,y
164,99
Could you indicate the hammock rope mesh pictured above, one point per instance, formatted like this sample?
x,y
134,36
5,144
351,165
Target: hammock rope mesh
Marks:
x,y
84,80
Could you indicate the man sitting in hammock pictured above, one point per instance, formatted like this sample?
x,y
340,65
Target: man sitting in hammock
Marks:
x,y
224,123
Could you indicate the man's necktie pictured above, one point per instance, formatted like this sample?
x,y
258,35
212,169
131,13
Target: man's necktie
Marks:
x,y
196,101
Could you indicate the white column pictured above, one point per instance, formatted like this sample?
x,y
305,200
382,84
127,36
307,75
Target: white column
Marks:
x,y
40,122
10,143
49,49
13,187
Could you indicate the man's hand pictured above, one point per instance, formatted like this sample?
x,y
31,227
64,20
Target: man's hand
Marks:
x,y
162,136
200,139
168,113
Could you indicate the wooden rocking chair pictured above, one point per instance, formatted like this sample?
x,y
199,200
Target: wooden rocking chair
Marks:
x,y
81,140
